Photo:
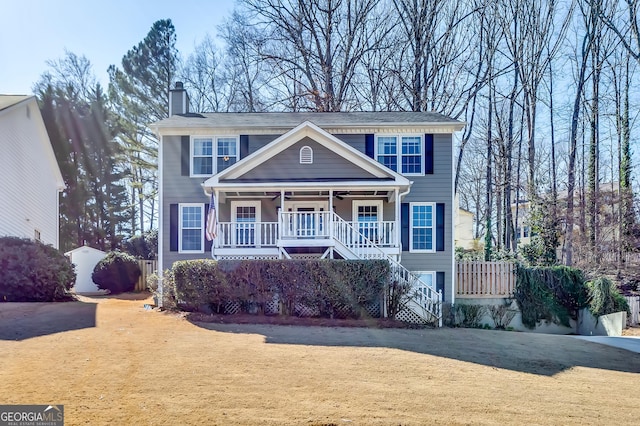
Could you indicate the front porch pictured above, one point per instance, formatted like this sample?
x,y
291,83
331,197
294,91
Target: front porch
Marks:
x,y
328,224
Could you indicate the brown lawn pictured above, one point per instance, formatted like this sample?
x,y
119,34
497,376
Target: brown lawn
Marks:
x,y
110,361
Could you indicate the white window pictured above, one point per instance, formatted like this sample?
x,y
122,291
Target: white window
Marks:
x,y
306,155
401,153
368,214
227,153
245,216
190,231
204,149
421,227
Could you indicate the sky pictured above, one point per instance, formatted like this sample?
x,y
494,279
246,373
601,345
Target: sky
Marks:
x,y
35,31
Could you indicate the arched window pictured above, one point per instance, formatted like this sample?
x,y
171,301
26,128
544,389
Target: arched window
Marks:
x,y
306,155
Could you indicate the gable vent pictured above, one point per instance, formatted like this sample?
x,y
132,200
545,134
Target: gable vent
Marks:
x,y
306,155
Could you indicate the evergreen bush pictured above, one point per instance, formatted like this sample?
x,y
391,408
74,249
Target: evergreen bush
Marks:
x,y
117,272
553,294
604,298
33,272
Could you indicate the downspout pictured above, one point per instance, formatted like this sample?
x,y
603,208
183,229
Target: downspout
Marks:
x,y
216,214
159,272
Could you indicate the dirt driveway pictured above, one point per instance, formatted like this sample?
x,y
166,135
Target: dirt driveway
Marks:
x,y
110,361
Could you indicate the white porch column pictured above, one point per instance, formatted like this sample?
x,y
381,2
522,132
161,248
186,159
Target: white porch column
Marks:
x,y
398,219
331,216
280,216
216,240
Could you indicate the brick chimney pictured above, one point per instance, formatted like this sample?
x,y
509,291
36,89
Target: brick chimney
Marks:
x,y
178,100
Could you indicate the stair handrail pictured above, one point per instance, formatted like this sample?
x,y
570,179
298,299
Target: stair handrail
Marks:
x,y
430,302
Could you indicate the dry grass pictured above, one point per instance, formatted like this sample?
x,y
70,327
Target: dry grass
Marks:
x,y
110,361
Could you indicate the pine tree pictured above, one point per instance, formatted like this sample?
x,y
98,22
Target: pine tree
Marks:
x,y
140,92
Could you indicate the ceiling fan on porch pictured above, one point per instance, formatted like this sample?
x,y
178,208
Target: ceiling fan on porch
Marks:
x,y
286,197
340,194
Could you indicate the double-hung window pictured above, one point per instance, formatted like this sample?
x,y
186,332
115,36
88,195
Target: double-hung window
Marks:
x,y
190,231
211,155
401,153
422,227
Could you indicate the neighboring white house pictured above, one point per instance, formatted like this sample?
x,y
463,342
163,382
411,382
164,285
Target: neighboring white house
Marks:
x,y
463,227
85,258
30,179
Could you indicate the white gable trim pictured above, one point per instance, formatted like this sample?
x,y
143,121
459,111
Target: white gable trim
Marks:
x,y
306,129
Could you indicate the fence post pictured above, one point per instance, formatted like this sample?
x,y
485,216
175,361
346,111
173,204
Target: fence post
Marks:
x,y
147,267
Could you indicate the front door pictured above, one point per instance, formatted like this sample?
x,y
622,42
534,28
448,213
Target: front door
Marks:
x,y
245,216
309,218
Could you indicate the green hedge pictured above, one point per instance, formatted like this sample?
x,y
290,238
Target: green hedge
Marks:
x,y
335,288
33,272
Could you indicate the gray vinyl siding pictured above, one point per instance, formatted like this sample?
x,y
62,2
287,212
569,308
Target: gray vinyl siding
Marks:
x,y
286,165
355,141
259,141
436,188
176,189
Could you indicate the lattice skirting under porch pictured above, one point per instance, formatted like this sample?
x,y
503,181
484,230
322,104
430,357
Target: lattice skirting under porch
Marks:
x,y
411,317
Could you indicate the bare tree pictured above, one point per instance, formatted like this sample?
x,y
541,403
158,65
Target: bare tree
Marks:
x,y
203,77
317,44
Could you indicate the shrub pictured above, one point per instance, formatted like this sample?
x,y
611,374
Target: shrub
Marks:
x,y
604,298
143,246
554,294
33,272
502,315
334,288
117,272
197,283
469,315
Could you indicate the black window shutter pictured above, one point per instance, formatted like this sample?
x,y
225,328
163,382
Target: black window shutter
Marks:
x,y
207,243
244,146
369,148
440,283
185,155
428,154
440,227
173,227
404,225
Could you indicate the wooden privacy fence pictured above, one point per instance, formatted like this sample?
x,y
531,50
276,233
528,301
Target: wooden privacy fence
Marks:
x,y
485,279
634,307
147,267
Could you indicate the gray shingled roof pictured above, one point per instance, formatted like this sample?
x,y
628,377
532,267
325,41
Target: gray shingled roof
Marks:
x,y
292,119
7,101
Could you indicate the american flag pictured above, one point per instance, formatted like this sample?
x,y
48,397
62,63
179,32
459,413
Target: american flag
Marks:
x,y
210,229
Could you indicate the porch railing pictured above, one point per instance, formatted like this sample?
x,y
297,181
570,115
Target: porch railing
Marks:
x,y
306,225
315,225
382,234
247,234
424,300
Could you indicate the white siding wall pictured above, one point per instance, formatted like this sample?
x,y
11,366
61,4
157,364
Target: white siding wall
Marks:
x,y
29,178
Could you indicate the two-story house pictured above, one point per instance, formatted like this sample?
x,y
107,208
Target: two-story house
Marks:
x,y
342,185
30,181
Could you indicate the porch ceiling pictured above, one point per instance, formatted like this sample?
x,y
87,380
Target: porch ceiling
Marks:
x,y
346,193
